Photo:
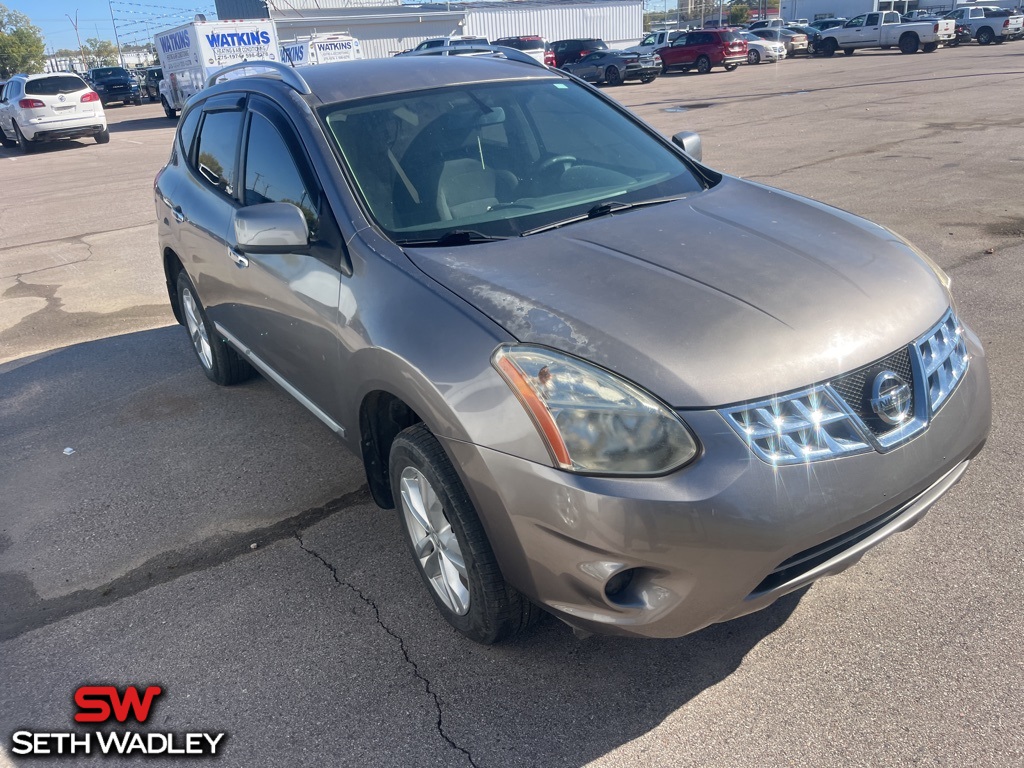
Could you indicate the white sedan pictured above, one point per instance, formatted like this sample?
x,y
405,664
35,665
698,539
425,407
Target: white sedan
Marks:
x,y
759,49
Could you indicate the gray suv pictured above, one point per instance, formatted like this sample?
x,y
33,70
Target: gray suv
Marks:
x,y
593,375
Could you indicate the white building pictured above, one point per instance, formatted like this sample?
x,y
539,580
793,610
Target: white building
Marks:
x,y
385,28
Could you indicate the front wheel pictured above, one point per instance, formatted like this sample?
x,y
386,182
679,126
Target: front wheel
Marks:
x,y
448,542
612,76
219,361
703,65
753,57
830,48
4,141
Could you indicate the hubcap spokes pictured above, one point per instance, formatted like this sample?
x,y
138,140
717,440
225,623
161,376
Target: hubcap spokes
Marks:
x,y
434,541
196,329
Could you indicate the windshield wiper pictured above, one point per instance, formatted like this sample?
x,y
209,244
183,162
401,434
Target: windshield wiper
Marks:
x,y
601,209
452,237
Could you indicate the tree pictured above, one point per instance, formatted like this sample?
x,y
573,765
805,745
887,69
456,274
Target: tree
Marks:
x,y
102,52
739,13
21,44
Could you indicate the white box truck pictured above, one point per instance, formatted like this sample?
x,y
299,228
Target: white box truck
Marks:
x,y
320,49
191,53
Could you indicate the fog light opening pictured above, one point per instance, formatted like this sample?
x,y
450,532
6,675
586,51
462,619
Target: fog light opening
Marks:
x,y
617,588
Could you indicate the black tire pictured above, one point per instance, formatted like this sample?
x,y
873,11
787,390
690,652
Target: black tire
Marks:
x,y
753,57
885,47
612,76
909,43
138,101
830,47
171,113
103,137
848,51
4,141
954,42
703,65
730,67
985,36
647,79
495,610
998,40
23,144
930,47
223,366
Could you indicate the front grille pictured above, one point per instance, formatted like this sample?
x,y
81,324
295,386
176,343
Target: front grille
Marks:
x,y
855,388
839,418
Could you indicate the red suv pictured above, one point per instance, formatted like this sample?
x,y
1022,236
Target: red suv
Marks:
x,y
704,49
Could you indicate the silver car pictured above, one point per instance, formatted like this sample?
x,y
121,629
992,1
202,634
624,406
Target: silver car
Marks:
x,y
593,375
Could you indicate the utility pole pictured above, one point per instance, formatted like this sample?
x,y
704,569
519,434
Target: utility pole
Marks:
x,y
120,58
81,50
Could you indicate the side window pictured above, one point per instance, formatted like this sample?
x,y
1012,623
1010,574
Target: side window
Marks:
x,y
872,20
218,149
187,130
856,21
271,175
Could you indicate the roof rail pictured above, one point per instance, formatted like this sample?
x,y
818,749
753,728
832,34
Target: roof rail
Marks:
x,y
511,54
289,75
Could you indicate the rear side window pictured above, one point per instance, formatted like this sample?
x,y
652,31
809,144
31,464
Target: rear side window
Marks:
x,y
218,149
187,130
52,86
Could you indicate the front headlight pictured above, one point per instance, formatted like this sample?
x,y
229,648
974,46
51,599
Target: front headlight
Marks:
x,y
592,420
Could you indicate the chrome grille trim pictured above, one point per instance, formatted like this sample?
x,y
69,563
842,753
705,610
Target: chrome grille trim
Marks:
x,y
944,359
819,422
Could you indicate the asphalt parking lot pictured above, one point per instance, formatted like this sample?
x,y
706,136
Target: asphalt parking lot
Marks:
x,y
220,544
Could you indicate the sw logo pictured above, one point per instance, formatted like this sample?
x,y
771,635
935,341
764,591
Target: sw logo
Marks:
x,y
103,704
97,702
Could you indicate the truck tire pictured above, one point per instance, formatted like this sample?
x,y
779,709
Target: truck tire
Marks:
x,y
909,43
171,113
848,51
829,47
985,36
930,47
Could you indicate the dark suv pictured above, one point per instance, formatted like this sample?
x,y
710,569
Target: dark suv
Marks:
x,y
115,84
704,49
151,85
571,51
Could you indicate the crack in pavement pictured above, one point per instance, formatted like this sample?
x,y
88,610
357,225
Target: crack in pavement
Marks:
x,y
23,611
74,238
401,644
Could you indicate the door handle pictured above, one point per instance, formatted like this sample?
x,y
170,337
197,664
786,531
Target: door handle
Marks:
x,y
240,261
179,215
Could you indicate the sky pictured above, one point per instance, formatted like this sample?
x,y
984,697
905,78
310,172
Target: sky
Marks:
x,y
136,21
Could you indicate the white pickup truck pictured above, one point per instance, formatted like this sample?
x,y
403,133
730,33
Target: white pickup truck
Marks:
x,y
659,38
988,23
885,29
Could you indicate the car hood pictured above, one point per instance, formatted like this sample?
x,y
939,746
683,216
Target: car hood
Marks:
x,y
735,293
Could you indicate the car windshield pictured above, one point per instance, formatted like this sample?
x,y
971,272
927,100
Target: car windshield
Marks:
x,y
51,86
498,159
108,72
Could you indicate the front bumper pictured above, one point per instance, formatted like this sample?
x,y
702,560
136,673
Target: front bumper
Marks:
x,y
727,535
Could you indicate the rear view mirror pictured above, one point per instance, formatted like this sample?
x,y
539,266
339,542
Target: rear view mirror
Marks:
x,y
689,142
270,228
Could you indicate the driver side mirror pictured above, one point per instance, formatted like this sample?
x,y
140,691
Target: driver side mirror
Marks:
x,y
270,228
689,142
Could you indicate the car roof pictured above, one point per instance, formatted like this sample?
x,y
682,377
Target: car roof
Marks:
x,y
365,78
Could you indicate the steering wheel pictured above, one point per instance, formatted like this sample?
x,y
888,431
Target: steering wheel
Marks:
x,y
551,162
